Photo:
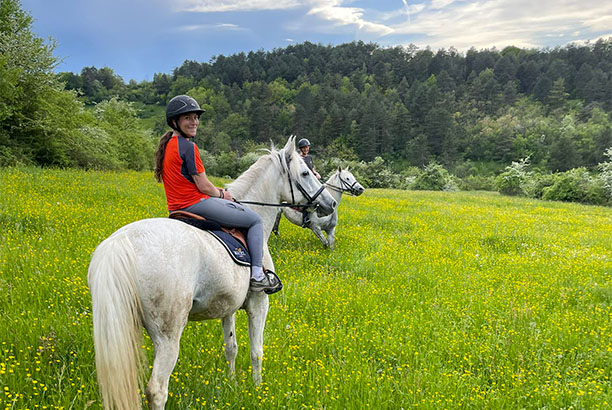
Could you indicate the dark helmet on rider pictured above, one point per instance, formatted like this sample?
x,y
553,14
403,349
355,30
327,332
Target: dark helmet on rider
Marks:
x,y
303,143
181,104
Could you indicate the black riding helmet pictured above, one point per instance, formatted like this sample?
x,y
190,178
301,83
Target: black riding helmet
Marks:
x,y
303,143
181,104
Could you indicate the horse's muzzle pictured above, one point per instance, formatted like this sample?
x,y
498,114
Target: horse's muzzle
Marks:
x,y
325,208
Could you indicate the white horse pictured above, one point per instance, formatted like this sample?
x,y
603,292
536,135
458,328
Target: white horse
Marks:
x,y
159,273
341,181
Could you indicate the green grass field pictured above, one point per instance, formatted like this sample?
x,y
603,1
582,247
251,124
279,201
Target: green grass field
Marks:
x,y
430,301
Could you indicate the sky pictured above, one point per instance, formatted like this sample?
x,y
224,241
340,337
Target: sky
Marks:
x,y
138,38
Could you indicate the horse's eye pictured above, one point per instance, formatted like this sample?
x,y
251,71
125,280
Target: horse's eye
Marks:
x,y
305,173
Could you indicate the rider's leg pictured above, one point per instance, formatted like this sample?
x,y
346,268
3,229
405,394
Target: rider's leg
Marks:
x,y
234,215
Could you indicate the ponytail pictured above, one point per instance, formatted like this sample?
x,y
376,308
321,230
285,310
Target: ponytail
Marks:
x,y
159,155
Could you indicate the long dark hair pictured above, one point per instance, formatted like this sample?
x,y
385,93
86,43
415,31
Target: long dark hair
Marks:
x,y
159,155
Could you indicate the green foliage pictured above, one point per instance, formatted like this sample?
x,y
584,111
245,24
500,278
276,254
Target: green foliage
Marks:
x,y
132,146
539,183
42,123
606,172
25,81
515,179
435,178
399,104
577,185
477,183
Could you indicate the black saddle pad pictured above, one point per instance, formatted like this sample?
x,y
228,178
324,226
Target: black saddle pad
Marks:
x,y
234,247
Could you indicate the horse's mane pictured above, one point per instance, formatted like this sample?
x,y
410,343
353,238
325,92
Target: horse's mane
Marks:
x,y
241,185
247,180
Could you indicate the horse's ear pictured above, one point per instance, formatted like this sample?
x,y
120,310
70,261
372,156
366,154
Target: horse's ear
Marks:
x,y
339,168
290,143
288,150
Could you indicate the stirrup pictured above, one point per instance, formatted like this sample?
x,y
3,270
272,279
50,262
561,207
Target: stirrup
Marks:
x,y
276,279
270,284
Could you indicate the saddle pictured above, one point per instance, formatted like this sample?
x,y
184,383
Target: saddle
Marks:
x,y
233,239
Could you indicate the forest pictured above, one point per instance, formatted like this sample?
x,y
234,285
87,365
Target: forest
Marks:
x,y
474,114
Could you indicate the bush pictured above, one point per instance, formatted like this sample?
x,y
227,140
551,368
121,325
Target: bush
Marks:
x,y
225,165
435,177
515,179
477,183
133,146
374,174
606,172
539,183
577,185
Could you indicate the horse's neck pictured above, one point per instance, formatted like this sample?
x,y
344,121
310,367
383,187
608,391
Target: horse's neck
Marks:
x,y
264,185
335,182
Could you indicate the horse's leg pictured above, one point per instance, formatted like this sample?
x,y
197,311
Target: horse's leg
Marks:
x,y
257,310
229,338
316,229
256,307
331,237
165,332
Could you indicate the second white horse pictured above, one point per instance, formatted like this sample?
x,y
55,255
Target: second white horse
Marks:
x,y
340,182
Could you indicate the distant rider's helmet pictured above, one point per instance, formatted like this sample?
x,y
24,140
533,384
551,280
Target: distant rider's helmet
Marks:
x,y
181,104
303,143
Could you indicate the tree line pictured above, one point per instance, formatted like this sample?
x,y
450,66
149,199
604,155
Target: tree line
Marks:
x,y
474,113
406,105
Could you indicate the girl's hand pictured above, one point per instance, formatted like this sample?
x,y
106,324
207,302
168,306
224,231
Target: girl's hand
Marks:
x,y
227,195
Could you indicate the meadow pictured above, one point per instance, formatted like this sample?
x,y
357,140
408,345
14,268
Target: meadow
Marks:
x,y
431,300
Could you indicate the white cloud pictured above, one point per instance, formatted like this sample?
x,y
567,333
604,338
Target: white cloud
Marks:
x,y
211,6
328,11
499,23
345,16
438,23
593,40
440,4
218,26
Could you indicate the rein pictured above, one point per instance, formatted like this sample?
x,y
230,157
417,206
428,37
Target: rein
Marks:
x,y
285,204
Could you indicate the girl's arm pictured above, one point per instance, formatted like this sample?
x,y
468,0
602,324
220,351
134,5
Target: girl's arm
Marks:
x,y
206,187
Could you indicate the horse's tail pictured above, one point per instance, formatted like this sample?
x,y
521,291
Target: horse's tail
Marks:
x,y
116,323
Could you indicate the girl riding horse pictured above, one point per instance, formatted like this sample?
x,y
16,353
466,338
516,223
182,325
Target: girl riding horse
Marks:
x,y
179,166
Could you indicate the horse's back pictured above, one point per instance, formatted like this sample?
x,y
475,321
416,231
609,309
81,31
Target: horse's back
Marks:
x,y
182,269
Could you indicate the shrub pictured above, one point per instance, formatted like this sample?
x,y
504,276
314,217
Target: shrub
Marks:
x,y
374,174
477,183
539,183
132,145
577,185
515,179
606,172
226,165
435,177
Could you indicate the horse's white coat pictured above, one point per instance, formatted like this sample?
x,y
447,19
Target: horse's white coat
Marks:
x,y
159,273
336,185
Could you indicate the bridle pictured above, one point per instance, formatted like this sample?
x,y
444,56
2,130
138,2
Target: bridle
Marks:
x,y
344,186
310,205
